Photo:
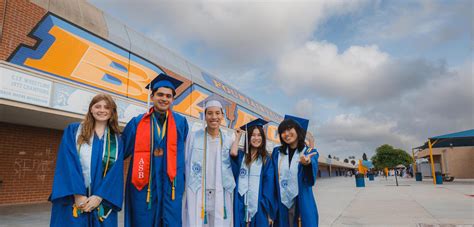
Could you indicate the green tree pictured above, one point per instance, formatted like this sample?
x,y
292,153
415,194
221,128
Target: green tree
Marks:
x,y
388,156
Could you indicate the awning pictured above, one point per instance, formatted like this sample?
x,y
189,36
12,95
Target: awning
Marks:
x,y
457,139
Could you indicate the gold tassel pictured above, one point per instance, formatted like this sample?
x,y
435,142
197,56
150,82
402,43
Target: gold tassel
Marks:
x,y
172,193
148,195
74,211
299,221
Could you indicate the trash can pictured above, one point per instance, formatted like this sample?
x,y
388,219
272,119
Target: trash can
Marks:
x,y
360,181
439,178
418,176
371,176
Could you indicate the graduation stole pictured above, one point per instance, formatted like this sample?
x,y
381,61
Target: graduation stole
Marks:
x,y
143,150
249,185
203,179
109,156
288,176
109,151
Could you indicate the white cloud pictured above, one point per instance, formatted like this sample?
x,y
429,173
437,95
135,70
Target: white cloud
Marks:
x,y
359,75
304,108
241,31
424,24
349,134
440,106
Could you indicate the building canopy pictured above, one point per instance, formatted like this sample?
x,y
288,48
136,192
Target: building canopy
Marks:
x,y
457,139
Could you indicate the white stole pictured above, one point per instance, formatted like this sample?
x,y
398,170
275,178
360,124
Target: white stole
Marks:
x,y
194,170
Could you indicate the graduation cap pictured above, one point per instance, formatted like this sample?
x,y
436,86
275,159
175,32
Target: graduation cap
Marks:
x,y
213,101
256,122
164,80
303,123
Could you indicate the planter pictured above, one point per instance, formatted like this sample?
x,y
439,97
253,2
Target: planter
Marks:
x,y
439,178
418,176
371,176
360,181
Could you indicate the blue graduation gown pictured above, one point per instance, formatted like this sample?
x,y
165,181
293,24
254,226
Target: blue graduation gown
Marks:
x,y
163,211
304,203
266,195
69,180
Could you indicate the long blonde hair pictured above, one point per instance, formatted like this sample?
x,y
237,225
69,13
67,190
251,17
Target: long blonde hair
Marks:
x,y
88,123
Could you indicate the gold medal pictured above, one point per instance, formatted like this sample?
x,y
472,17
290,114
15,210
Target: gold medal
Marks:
x,y
158,152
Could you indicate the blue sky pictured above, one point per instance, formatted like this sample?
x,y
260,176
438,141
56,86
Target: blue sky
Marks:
x,y
365,72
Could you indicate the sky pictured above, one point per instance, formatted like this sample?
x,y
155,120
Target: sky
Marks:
x,y
365,72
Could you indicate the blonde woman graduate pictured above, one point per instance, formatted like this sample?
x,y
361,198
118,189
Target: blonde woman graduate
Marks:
x,y
88,181
254,197
296,168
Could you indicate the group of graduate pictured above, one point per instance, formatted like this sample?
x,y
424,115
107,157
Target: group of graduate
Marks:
x,y
181,177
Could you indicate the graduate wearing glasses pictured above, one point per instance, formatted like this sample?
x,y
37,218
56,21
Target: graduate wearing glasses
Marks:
x,y
88,181
155,142
209,179
296,168
254,196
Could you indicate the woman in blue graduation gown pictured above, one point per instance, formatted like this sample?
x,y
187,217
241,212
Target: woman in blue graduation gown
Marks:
x,y
88,181
254,195
296,167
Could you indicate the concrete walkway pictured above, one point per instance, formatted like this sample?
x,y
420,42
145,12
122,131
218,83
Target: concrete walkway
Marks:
x,y
340,203
381,203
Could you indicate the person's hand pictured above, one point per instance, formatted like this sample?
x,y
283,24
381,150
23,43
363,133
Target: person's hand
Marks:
x,y
238,132
270,221
311,142
80,201
306,159
92,203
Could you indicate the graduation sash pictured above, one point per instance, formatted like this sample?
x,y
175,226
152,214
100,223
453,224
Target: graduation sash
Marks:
x,y
288,177
198,160
109,156
197,179
249,186
143,148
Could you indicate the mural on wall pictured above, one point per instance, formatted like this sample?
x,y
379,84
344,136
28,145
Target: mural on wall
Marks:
x,y
69,52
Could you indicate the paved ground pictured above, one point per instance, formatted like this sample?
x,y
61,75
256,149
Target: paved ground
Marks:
x,y
340,203
381,203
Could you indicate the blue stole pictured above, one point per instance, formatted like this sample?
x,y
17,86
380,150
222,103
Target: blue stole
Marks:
x,y
197,158
288,177
249,186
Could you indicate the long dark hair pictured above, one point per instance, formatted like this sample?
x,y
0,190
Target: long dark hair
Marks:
x,y
287,125
261,150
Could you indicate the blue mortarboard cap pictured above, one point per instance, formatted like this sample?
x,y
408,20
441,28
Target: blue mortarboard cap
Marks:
x,y
164,80
213,100
256,122
303,123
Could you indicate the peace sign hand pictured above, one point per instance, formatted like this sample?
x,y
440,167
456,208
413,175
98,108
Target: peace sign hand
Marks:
x,y
306,159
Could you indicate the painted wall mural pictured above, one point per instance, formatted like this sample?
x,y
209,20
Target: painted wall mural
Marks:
x,y
69,52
